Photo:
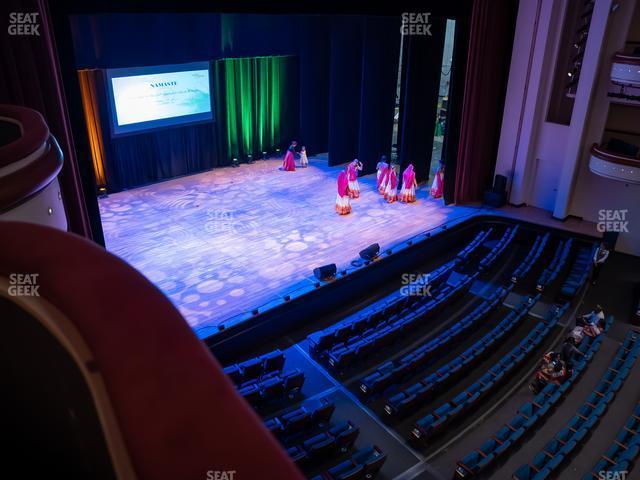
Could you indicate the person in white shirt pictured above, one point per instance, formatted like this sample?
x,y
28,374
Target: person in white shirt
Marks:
x,y
593,322
599,258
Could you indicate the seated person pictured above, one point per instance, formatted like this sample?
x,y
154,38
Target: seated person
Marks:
x,y
592,322
568,351
552,370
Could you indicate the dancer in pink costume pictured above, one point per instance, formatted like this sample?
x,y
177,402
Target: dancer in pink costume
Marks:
x,y
382,167
391,191
352,176
438,183
409,184
343,202
289,163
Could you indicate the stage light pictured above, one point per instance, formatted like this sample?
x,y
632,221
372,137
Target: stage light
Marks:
x,y
255,312
249,158
287,298
235,163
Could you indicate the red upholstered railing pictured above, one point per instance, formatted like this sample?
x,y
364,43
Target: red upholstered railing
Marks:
x,y
179,414
36,174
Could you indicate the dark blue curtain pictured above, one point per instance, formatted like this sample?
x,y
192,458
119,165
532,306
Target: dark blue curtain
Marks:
x,y
313,55
345,85
422,64
380,55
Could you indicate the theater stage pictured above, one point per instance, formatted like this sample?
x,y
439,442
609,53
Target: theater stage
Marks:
x,y
224,242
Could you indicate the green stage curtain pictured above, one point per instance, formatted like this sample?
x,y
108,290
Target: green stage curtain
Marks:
x,y
256,103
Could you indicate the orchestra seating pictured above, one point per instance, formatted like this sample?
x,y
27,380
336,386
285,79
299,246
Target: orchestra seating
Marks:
x,y
586,417
527,417
621,455
364,464
579,272
469,398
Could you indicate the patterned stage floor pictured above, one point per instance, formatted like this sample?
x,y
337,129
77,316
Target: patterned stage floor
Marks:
x,y
223,242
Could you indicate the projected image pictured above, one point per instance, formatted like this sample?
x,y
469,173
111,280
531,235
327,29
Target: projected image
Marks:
x,y
151,97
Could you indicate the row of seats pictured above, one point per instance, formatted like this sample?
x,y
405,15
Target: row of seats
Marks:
x,y
559,259
564,442
532,257
496,251
391,372
371,340
490,381
620,456
339,437
364,464
395,304
272,386
392,304
300,418
527,417
467,252
579,272
255,367
420,392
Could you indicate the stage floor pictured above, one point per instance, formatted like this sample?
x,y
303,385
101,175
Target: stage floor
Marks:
x,y
224,242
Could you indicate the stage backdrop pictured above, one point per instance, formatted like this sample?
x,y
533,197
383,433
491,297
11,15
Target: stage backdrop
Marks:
x,y
255,110
256,105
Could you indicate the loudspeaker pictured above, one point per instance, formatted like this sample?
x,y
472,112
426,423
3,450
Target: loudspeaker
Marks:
x,y
500,184
371,252
325,272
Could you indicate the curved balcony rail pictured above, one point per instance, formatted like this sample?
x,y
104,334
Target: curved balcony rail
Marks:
x,y
613,165
30,161
625,78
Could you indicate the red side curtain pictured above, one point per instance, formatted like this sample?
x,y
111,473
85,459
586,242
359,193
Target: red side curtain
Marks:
x,y
490,43
30,76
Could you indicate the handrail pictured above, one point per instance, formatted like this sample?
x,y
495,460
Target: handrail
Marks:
x,y
612,157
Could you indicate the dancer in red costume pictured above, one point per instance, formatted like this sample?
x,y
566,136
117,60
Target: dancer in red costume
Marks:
x,y
391,190
343,202
409,184
438,183
289,164
352,176
382,167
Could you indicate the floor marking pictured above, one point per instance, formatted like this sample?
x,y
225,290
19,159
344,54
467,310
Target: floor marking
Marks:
x,y
362,407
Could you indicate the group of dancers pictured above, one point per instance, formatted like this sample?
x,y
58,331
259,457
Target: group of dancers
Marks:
x,y
387,184
387,180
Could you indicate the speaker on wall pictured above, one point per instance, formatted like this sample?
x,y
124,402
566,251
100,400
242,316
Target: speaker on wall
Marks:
x,y
325,272
371,252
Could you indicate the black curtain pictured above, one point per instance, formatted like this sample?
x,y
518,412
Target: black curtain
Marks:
x,y
380,56
454,108
345,88
422,61
313,35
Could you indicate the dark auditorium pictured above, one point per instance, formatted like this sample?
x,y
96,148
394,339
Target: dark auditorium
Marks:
x,y
390,240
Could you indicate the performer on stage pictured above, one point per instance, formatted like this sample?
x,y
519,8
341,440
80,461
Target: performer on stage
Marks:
x,y
343,202
289,163
409,184
382,167
438,183
304,161
391,190
352,175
